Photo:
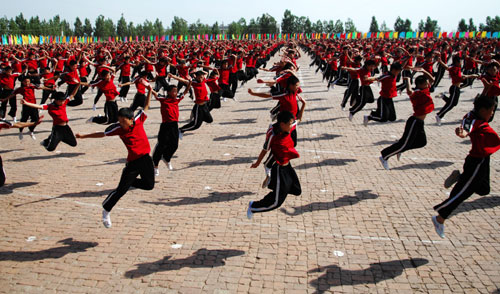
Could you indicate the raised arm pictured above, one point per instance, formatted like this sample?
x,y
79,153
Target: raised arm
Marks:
x,y
91,135
261,95
178,78
302,108
32,105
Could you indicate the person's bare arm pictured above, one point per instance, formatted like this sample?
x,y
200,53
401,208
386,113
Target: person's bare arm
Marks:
x,y
259,159
261,95
91,135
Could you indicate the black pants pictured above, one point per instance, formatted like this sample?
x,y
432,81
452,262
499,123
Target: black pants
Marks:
x,y
2,173
199,114
110,114
451,101
474,179
142,166
284,181
98,96
29,113
233,82
168,142
12,103
352,90
84,89
181,85
161,83
385,110
45,95
439,75
226,91
139,100
413,138
124,90
78,99
214,101
58,134
404,74
468,82
366,96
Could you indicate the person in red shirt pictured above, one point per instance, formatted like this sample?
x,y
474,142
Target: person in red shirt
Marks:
x,y
456,79
168,135
200,112
414,134
130,129
215,89
49,82
27,90
490,79
224,80
142,84
7,125
7,84
60,128
365,91
284,180
385,106
476,175
352,90
108,88
72,78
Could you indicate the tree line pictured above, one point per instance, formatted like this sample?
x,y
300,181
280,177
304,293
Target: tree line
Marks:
x,y
265,24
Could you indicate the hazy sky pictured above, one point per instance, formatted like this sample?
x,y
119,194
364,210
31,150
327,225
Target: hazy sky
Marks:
x,y
448,13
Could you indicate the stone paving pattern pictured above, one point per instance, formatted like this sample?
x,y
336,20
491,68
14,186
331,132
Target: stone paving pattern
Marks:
x,y
357,228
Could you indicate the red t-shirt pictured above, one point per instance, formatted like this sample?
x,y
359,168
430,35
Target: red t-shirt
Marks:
x,y
363,72
125,70
161,70
27,92
169,108
71,78
7,81
224,76
48,83
288,102
421,101
212,85
58,113
141,84
494,89
200,91
135,138
108,88
455,74
280,144
388,89
31,64
485,140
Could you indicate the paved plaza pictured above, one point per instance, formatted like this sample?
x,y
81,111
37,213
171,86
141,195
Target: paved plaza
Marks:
x,y
356,228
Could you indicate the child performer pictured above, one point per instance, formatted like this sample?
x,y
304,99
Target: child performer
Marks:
x,y
414,134
130,128
476,175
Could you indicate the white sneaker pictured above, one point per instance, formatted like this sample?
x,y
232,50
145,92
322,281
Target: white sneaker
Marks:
x,y
398,156
32,135
384,162
94,107
157,172
249,210
365,120
225,99
14,119
21,136
342,108
438,227
90,120
106,219
180,135
350,116
438,120
169,165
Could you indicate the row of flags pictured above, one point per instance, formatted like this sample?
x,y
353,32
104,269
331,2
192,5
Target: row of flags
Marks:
x,y
30,39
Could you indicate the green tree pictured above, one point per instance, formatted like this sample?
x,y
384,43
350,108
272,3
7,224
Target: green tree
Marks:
x,y
349,26
430,25
87,28
78,27
318,27
179,26
267,24
472,27
383,27
492,24
374,25
329,26
4,26
339,27
121,27
402,25
462,26
158,29
215,29
288,23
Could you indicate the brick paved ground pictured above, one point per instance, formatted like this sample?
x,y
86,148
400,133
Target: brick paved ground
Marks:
x,y
356,228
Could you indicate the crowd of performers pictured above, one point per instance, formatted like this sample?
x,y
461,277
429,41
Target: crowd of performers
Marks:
x,y
210,72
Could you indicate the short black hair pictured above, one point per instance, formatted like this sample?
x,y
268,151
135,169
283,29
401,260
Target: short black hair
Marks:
x,y
369,62
292,80
170,87
420,80
59,95
285,117
484,101
396,66
126,113
72,62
